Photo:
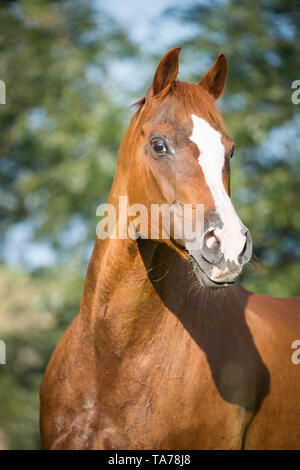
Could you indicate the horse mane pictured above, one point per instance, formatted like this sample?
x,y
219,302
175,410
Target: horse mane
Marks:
x,y
138,104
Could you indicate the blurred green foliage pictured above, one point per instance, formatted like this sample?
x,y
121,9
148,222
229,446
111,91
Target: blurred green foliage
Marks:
x,y
60,127
60,133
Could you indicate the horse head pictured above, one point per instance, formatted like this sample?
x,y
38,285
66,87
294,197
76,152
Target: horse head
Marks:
x,y
177,153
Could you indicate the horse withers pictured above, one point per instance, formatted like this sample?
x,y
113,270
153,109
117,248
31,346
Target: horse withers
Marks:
x,y
168,351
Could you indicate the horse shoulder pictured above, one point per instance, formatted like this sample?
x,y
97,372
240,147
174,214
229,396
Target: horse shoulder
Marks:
x,y
68,392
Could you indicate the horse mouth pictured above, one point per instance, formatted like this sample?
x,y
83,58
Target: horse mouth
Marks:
x,y
205,280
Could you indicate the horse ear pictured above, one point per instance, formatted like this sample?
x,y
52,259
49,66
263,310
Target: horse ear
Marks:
x,y
166,72
214,80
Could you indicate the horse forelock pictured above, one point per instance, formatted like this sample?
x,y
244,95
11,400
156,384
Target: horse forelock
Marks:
x,y
190,97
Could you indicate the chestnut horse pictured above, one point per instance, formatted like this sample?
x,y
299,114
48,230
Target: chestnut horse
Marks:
x,y
168,351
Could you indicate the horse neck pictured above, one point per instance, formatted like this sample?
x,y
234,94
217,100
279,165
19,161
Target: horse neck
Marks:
x,y
127,282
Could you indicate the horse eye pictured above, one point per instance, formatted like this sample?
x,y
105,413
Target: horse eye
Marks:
x,y
159,146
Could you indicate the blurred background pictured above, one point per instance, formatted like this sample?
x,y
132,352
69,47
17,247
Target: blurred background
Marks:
x,y
72,69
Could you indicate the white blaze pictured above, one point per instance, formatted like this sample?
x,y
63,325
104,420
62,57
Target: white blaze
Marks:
x,y
211,159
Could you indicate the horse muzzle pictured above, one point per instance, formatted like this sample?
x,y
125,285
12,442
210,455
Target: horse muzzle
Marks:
x,y
221,256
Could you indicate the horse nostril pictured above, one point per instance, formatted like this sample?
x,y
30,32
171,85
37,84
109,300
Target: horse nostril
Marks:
x,y
211,248
246,252
211,241
240,258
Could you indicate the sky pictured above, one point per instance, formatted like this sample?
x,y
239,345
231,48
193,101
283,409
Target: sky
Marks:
x,y
142,19
154,31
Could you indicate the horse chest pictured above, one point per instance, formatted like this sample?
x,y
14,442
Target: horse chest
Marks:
x,y
166,397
